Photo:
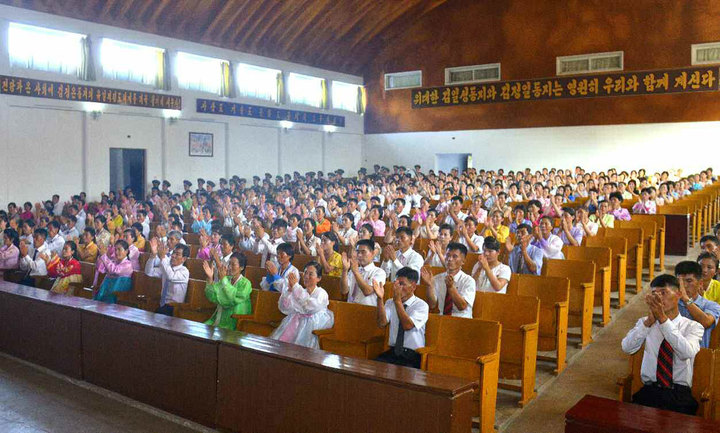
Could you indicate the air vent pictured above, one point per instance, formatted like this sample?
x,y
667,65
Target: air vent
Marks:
x,y
705,54
472,74
587,63
403,80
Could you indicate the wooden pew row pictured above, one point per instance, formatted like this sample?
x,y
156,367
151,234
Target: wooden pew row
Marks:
x,y
220,369
601,256
581,274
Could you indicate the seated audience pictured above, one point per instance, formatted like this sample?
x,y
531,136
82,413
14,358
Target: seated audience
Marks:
x,y
407,315
118,271
550,244
671,343
617,210
227,287
276,279
453,291
436,249
55,241
35,265
9,252
524,258
467,236
489,273
394,260
645,204
494,227
347,235
65,269
359,273
89,251
328,255
305,309
692,305
709,286
569,233
173,272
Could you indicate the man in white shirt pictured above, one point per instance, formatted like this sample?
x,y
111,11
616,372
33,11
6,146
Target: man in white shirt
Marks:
x,y
671,343
453,291
359,273
34,264
267,245
455,215
71,232
407,315
55,242
173,272
393,260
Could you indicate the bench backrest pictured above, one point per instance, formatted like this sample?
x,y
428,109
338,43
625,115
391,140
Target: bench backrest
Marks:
x,y
355,322
511,311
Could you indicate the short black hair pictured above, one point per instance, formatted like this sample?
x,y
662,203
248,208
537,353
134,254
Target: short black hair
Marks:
x,y
370,243
400,230
706,255
711,238
287,249
457,246
242,260
41,232
665,280
317,266
491,243
616,195
409,273
525,227
688,267
185,249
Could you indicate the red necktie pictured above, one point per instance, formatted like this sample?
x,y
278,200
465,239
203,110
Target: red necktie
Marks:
x,y
447,307
665,364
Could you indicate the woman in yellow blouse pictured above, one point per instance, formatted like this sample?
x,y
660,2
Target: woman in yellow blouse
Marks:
x,y
495,227
88,251
710,287
330,258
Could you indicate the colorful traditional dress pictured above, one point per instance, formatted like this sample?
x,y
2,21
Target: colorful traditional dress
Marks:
x,y
65,272
231,298
305,312
118,279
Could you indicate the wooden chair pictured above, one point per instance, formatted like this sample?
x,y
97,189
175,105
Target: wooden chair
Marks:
x,y
703,382
143,258
714,412
618,271
518,349
355,332
470,261
192,238
253,259
266,315
420,292
195,266
649,229
581,274
659,221
601,256
255,274
301,260
196,306
635,251
422,246
194,249
467,348
145,293
554,296
333,288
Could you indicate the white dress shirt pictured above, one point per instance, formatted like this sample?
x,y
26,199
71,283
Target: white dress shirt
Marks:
x,y
450,221
418,311
34,263
70,234
369,273
281,284
465,286
684,335
477,240
483,282
551,247
56,244
268,248
174,282
409,258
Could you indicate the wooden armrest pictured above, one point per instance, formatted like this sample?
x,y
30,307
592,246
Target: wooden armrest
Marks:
x,y
320,332
605,269
587,285
486,359
374,339
624,380
621,256
425,350
528,327
562,304
243,317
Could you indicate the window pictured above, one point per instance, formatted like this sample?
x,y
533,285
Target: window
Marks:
x,y
403,80
584,63
132,62
257,82
472,74
345,96
306,90
45,49
706,54
200,73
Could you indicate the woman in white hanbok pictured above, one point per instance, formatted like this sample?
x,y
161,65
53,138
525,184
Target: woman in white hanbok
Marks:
x,y
306,309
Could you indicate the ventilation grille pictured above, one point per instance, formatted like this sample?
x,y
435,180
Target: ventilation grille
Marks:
x,y
587,63
403,80
705,54
472,74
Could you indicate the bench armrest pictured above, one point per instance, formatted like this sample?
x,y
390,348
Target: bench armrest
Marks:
x,y
320,332
561,305
374,339
528,327
588,285
486,359
239,317
425,350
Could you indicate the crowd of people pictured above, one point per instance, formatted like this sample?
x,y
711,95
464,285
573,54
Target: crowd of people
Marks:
x,y
365,230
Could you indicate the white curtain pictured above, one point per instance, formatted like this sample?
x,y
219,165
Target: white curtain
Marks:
x,y
199,72
45,49
345,96
131,62
306,90
257,82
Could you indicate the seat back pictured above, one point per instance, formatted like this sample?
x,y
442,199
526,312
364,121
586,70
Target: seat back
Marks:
x,y
550,291
512,311
87,270
195,267
192,238
196,295
703,377
143,258
462,338
252,259
332,286
266,309
634,236
470,261
255,274
422,246
355,322
601,256
617,245
300,260
579,272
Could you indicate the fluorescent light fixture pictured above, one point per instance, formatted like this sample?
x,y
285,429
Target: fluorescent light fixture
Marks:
x,y
169,114
329,128
286,124
93,106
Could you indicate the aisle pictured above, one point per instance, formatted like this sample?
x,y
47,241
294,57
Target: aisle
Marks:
x,y
593,371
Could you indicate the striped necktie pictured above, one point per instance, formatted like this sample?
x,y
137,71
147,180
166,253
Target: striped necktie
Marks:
x,y
665,364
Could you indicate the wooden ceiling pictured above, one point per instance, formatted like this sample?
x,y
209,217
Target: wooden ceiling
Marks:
x,y
340,35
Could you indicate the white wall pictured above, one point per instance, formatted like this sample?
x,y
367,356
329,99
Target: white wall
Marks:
x,y
662,146
51,146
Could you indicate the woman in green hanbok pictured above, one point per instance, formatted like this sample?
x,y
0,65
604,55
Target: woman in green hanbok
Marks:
x,y
231,291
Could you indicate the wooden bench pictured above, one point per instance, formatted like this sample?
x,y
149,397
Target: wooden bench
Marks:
x,y
618,270
518,347
195,266
145,293
554,295
649,229
659,221
255,274
635,251
467,348
196,307
581,274
601,256
265,317
354,333
702,384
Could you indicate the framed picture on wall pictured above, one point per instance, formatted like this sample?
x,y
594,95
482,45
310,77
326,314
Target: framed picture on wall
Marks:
x,y
201,144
